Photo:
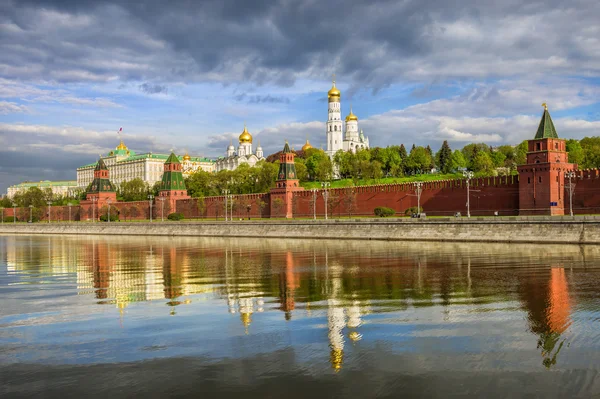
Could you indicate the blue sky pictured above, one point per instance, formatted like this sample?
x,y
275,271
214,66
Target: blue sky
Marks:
x,y
188,75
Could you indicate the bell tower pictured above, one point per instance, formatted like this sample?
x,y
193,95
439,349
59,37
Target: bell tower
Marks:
x,y
542,178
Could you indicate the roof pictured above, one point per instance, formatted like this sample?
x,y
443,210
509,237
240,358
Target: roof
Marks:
x,y
100,165
47,183
172,159
149,155
546,128
286,148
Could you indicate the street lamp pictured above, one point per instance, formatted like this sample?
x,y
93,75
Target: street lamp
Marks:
x,y
1,208
325,185
248,207
94,199
162,208
468,176
570,175
49,203
108,201
225,192
30,213
14,213
150,198
314,191
69,205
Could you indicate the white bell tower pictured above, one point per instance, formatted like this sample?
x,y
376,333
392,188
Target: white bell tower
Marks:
x,y
334,125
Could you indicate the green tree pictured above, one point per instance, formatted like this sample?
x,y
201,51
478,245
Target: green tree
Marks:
x,y
134,190
32,196
482,163
498,159
418,160
591,152
301,171
198,183
575,151
470,151
444,158
318,165
521,153
457,160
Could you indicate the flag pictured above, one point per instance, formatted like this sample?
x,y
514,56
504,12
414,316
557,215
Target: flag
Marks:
x,y
121,129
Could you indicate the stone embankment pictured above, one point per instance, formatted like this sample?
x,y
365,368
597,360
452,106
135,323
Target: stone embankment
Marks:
x,y
579,230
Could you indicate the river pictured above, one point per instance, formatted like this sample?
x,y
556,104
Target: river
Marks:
x,y
98,316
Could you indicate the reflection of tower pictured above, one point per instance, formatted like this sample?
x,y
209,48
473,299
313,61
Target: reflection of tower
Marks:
x,y
354,320
287,285
101,270
171,278
548,304
336,319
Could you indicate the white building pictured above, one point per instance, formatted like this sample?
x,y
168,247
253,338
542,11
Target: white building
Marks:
x,y
244,154
59,188
125,165
336,140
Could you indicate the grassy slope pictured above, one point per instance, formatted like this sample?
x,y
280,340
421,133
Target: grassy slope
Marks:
x,y
387,180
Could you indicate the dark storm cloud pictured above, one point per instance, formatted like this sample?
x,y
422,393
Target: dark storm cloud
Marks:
x,y
149,88
267,99
368,43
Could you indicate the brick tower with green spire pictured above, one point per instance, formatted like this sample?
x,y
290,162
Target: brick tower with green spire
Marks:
x,y
172,185
286,184
101,187
542,178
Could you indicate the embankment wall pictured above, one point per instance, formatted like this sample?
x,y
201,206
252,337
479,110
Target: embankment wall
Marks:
x,y
584,230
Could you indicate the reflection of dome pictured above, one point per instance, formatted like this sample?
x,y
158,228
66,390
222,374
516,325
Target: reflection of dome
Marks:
x,y
186,157
336,357
354,336
245,137
306,146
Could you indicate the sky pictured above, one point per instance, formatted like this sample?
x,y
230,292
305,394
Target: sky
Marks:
x,y
187,75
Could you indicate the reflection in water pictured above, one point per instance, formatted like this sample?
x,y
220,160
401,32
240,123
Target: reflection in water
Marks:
x,y
415,299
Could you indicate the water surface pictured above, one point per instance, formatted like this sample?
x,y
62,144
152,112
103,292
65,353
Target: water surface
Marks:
x,y
88,316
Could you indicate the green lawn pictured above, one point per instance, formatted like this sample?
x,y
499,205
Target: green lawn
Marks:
x,y
388,180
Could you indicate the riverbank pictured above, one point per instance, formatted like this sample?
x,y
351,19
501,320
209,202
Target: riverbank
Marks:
x,y
580,230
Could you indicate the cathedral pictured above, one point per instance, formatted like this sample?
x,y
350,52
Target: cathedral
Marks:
x,y
243,155
354,139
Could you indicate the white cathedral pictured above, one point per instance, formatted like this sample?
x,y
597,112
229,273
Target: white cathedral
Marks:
x,y
336,140
244,154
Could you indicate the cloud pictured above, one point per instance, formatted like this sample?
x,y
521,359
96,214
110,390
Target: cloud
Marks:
x,y
376,45
12,108
153,88
258,99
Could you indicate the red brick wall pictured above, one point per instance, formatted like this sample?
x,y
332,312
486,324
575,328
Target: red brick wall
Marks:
x,y
586,195
438,198
214,207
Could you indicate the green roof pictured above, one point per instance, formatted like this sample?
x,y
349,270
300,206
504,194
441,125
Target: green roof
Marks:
x,y
546,128
286,148
172,159
46,183
149,155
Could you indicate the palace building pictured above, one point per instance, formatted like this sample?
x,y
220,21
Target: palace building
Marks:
x,y
125,165
244,154
66,188
353,139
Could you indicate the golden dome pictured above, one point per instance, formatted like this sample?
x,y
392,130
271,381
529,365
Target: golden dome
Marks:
x,y
334,93
351,116
245,137
306,146
186,157
121,146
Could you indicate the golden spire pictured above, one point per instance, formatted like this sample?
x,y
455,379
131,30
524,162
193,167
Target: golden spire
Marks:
x,y
545,106
121,146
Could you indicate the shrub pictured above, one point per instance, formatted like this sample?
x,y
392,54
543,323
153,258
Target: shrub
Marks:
x,y
412,209
113,217
384,211
9,219
175,216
